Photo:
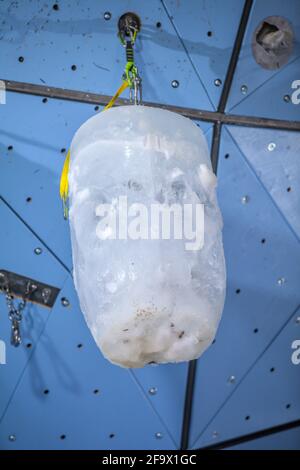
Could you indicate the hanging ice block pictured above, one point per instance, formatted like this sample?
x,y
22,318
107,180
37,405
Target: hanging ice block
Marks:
x,y
145,299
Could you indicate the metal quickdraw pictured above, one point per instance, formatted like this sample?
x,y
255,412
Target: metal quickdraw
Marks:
x,y
129,25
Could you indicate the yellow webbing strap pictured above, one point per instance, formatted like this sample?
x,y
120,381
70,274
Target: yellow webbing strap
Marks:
x,y
64,184
116,96
64,181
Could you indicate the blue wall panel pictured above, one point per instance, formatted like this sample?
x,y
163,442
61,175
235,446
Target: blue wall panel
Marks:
x,y
260,251
268,100
17,254
269,393
274,157
208,43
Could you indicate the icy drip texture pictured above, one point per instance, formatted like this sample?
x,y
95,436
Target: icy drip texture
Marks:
x,y
145,301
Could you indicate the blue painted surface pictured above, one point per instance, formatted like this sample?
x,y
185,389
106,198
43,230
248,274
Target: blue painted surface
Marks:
x,y
268,394
261,237
274,157
267,100
17,255
254,300
207,42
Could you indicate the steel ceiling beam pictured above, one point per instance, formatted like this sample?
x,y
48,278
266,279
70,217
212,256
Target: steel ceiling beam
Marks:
x,y
197,114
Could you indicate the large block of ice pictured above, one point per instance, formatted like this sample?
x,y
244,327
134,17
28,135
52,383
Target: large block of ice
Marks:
x,y
144,300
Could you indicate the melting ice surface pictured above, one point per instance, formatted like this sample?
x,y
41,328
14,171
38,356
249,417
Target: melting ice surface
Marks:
x,y
145,300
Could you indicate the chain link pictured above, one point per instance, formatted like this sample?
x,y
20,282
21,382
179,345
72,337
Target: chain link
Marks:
x,y
15,313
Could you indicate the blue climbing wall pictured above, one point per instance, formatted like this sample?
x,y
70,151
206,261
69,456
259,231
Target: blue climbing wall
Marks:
x,y
56,390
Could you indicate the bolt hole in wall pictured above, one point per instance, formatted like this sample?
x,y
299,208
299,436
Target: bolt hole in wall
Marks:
x,y
107,15
65,302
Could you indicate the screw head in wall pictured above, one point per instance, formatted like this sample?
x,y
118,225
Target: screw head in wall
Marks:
x,y
12,438
244,89
245,199
298,320
215,434
38,250
153,391
231,379
287,98
271,146
107,15
280,281
65,302
175,83
218,82
158,435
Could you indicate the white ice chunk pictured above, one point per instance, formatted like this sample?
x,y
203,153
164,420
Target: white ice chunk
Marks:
x,y
144,300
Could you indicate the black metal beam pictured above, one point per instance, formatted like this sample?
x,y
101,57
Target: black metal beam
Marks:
x,y
215,146
259,122
255,435
235,55
188,402
197,114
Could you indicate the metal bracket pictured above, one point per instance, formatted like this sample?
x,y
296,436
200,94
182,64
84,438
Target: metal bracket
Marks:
x,y
18,285
128,22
